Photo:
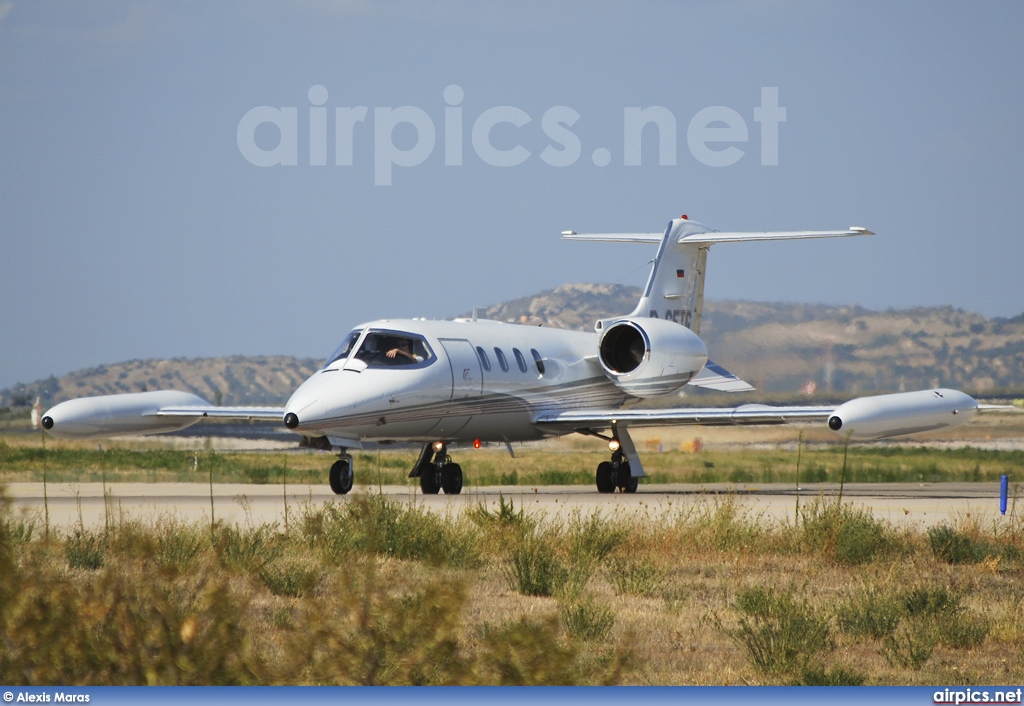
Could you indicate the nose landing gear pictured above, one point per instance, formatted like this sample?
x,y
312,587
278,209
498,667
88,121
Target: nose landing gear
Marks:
x,y
438,474
342,474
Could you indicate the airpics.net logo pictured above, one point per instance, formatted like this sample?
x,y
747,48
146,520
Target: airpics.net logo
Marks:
x,y
713,135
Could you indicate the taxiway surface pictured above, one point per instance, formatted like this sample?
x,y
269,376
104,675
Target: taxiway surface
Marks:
x,y
917,504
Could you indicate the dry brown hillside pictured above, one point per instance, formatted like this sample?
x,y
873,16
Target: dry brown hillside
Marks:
x,y
778,347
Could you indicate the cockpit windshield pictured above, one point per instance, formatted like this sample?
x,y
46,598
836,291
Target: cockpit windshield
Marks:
x,y
345,348
384,349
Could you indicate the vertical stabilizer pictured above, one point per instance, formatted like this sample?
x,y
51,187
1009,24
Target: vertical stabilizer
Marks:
x,y
675,288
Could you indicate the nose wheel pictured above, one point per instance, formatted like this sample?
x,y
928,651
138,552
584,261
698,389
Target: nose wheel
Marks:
x,y
437,471
342,476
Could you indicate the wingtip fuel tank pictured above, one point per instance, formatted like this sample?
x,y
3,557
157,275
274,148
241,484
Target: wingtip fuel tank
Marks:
x,y
117,415
882,416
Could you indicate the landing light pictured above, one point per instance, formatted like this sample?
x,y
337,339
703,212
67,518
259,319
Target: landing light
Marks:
x,y
613,445
438,445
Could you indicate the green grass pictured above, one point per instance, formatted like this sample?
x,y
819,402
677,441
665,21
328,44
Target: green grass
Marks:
x,y
22,458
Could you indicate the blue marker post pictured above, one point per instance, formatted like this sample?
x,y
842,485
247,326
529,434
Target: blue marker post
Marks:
x,y
1004,483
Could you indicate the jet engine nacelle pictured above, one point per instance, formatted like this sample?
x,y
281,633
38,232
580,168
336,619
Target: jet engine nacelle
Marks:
x,y
647,357
903,413
116,415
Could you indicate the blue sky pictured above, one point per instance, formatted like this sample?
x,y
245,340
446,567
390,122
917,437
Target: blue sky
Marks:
x,y
135,225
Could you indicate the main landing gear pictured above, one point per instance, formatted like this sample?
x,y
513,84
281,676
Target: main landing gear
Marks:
x,y
616,474
437,471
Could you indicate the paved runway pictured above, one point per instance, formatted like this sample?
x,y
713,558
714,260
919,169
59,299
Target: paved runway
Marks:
x,y
924,504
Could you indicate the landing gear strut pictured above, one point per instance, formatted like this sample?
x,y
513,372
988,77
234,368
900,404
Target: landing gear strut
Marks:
x,y
342,475
437,471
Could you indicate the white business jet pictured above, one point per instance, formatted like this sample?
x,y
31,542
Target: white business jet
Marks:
x,y
468,381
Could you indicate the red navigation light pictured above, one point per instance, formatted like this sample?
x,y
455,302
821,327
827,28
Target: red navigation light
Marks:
x,y
476,443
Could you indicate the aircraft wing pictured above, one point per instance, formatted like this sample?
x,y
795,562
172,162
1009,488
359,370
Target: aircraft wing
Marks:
x,y
715,377
696,416
264,414
862,418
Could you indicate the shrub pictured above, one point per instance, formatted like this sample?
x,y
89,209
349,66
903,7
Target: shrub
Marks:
x,y
534,568
376,525
962,630
179,545
778,633
955,547
929,601
291,577
246,550
849,536
594,536
505,518
585,619
910,645
85,549
870,612
528,653
635,577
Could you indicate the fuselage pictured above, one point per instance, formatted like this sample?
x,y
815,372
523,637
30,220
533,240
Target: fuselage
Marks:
x,y
469,380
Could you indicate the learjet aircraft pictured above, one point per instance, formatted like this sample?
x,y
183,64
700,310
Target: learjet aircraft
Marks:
x,y
470,381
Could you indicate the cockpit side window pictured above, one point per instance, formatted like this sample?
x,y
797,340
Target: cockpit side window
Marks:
x,y
386,349
345,348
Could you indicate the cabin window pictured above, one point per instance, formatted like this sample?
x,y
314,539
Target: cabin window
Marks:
x,y
520,360
484,361
502,361
537,360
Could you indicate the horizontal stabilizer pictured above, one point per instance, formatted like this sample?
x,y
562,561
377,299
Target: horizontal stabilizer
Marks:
x,y
715,377
719,237
614,237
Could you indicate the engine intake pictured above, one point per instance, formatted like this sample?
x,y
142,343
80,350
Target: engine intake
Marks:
x,y
647,357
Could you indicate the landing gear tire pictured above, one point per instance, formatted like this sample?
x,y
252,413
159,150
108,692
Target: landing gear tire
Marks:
x,y
628,483
341,476
451,479
430,481
606,477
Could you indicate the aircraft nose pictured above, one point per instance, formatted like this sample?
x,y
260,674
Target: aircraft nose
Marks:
x,y
304,404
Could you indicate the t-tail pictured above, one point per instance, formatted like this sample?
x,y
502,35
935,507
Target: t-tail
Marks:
x,y
675,287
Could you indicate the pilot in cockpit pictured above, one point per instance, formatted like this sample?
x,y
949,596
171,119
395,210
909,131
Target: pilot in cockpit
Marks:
x,y
402,353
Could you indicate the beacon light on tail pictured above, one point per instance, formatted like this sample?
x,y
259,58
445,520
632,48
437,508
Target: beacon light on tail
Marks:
x,y
902,413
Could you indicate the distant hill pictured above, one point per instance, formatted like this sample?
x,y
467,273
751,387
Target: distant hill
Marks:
x,y
234,380
777,347
780,347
